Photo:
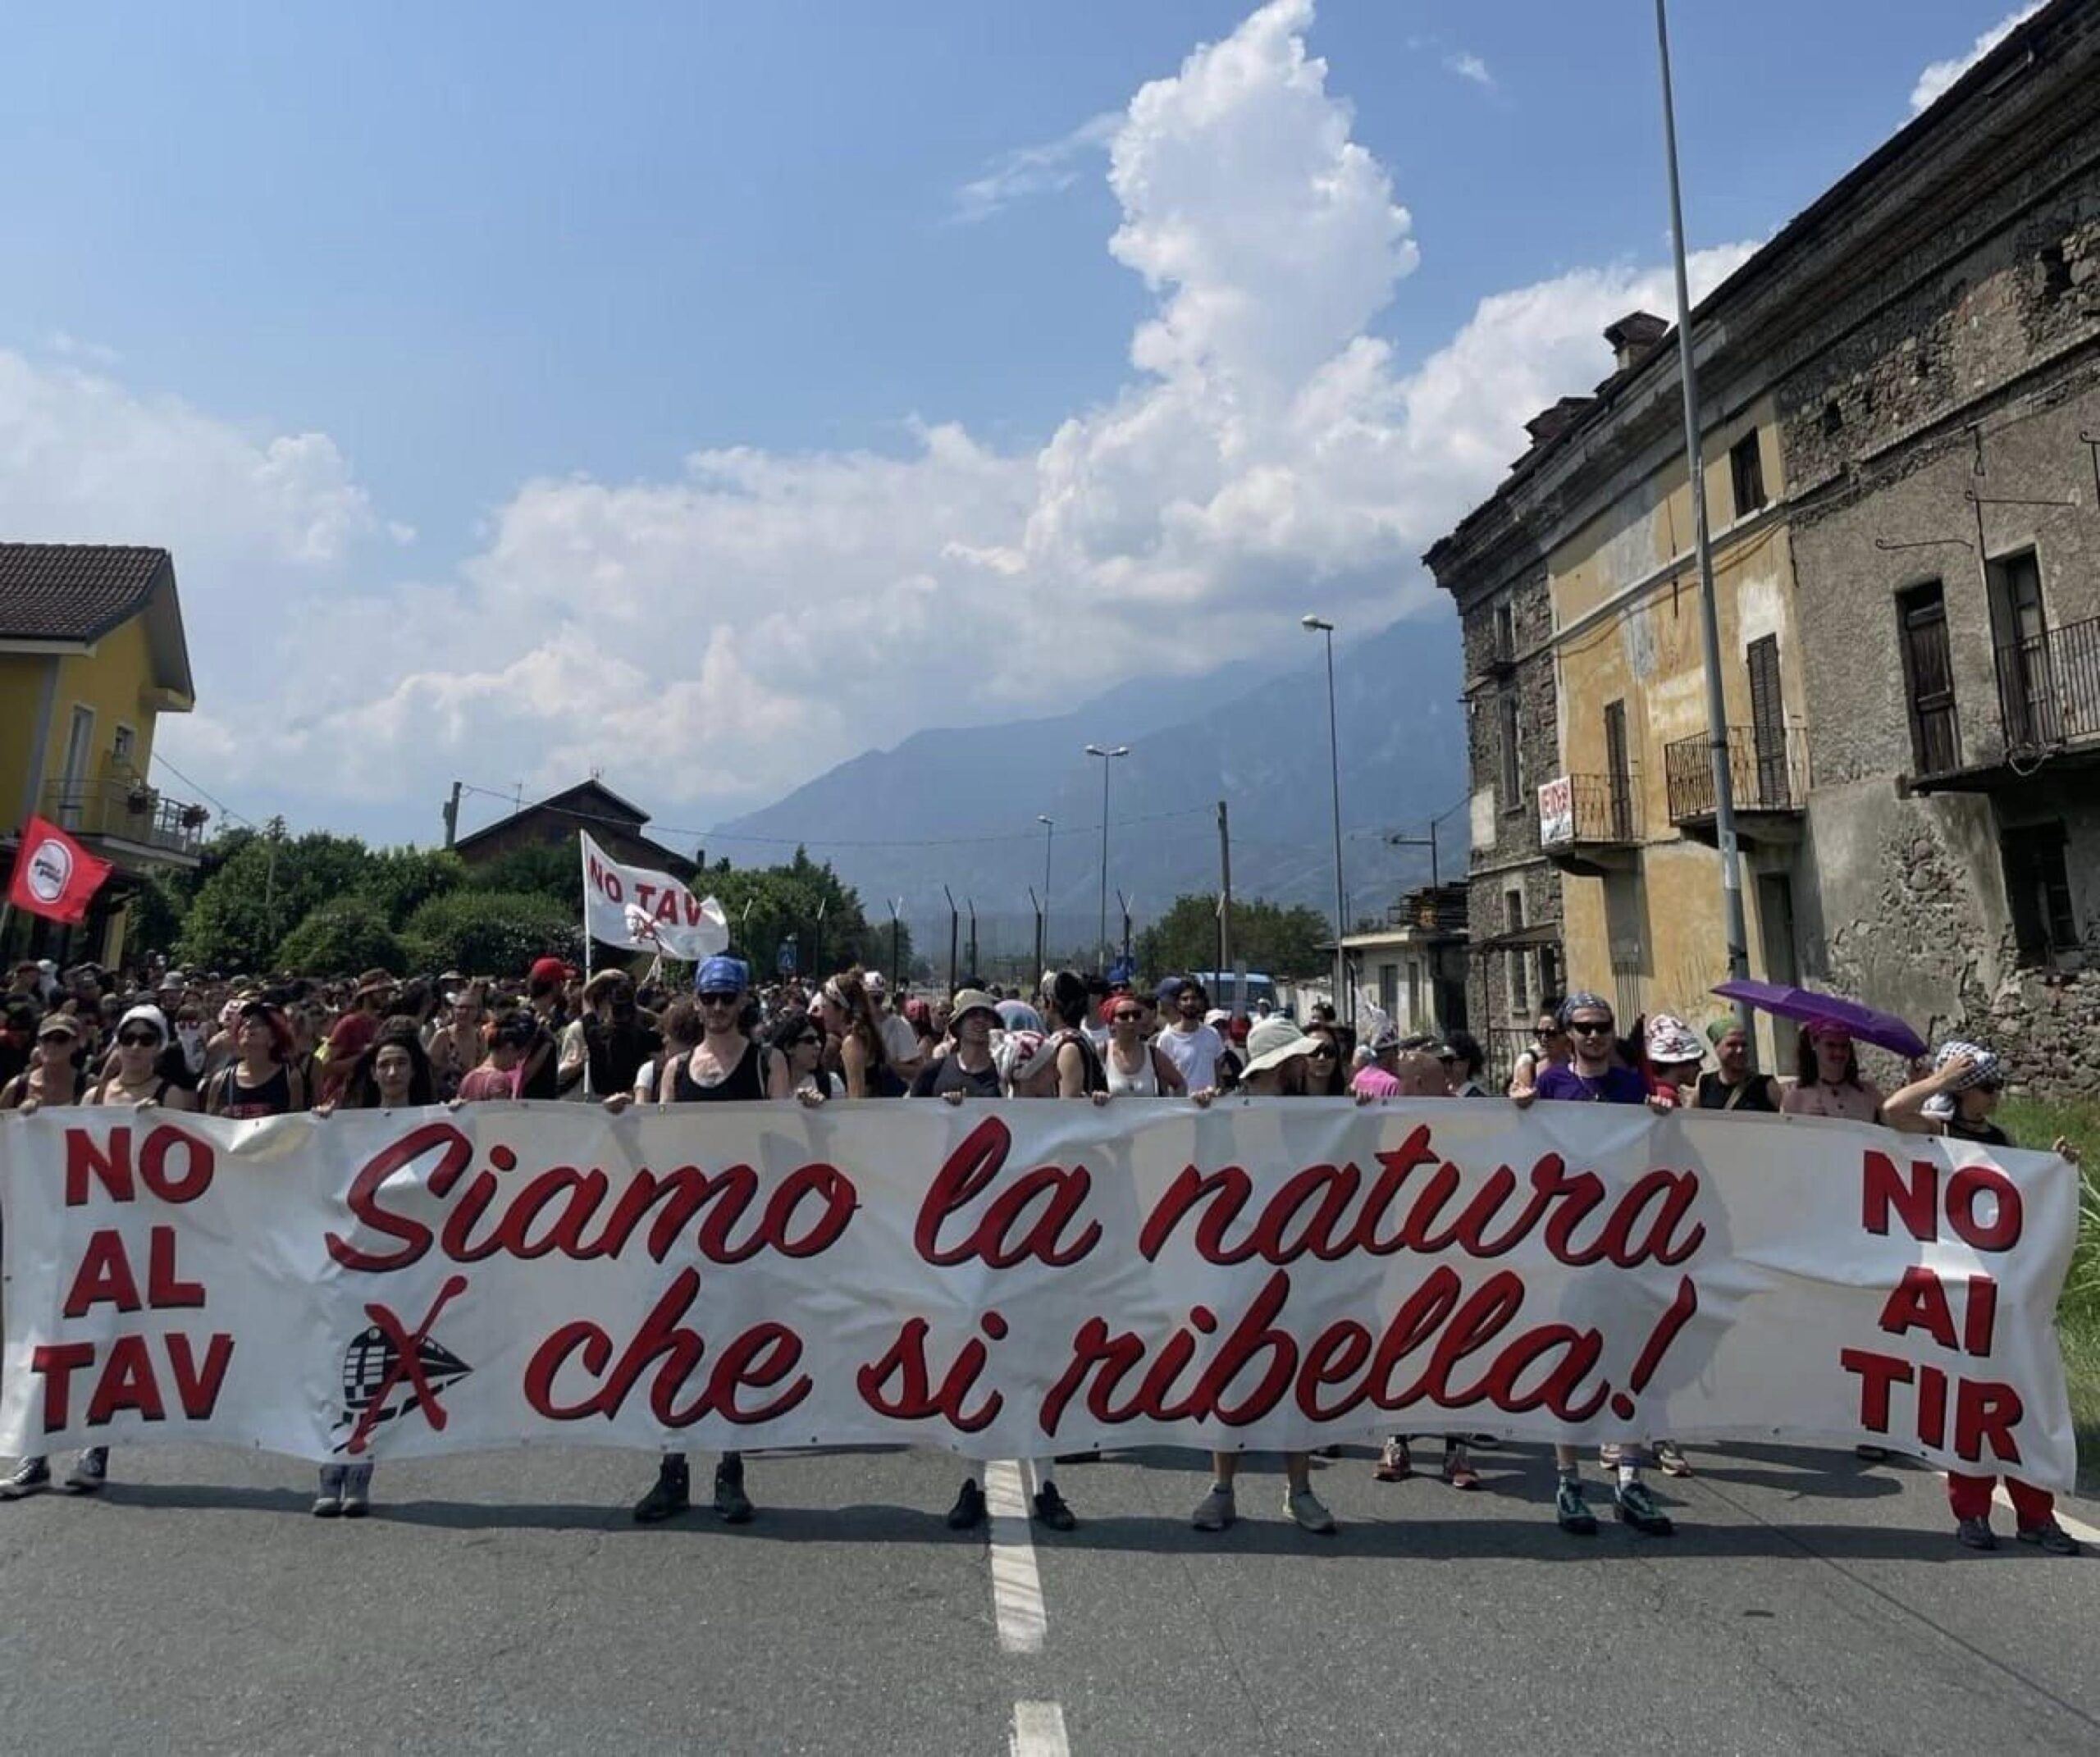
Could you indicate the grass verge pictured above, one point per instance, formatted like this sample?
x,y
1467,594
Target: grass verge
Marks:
x,y
2032,1123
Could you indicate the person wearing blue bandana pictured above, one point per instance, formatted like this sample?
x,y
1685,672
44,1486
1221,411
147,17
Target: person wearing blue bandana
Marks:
x,y
723,1066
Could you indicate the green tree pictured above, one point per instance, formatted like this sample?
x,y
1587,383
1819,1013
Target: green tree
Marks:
x,y
491,932
1283,941
766,904
266,884
555,871
400,881
343,938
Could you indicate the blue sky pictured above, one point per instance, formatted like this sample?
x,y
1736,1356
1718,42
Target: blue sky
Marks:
x,y
401,324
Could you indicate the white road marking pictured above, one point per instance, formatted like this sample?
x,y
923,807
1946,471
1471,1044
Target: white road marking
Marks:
x,y
2078,1528
1038,1731
1016,1587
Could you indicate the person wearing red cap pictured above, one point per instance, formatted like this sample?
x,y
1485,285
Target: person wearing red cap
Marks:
x,y
544,984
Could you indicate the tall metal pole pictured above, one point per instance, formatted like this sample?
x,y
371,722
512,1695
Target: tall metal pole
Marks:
x,y
1106,756
1344,998
1042,918
1709,623
1225,906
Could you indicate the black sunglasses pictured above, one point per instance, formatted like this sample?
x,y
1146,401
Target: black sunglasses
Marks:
x,y
138,1039
726,999
1587,1028
1325,1052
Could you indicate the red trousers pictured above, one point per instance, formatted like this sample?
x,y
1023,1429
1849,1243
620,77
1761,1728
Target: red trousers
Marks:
x,y
1970,1498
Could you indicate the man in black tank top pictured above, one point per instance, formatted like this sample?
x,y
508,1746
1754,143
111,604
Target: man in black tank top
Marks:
x,y
726,1067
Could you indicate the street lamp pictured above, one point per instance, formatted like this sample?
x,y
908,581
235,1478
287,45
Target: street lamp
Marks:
x,y
1107,758
1043,914
1344,999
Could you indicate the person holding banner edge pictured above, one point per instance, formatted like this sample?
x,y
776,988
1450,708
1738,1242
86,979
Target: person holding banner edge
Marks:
x,y
1593,1076
1956,1100
724,1066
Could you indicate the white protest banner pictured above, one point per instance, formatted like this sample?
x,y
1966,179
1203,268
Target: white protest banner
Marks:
x,y
647,911
1027,1278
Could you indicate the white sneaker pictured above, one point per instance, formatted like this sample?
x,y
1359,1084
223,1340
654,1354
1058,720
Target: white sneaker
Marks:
x,y
1215,1511
1308,1510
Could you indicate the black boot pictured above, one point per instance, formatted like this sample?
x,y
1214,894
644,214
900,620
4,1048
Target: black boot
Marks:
x,y
732,1505
671,1494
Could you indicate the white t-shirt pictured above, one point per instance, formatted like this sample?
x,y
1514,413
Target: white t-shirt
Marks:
x,y
900,1042
1195,1053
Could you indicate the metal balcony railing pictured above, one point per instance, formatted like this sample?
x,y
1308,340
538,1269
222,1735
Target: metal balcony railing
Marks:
x,y
1768,771
2049,687
1591,810
126,811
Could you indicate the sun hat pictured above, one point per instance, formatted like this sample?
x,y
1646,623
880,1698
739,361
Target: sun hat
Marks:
x,y
59,1025
1671,1039
544,971
972,1000
1272,1042
1386,1043
872,981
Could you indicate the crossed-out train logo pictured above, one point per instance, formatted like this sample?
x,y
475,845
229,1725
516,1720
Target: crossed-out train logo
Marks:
x,y
390,1372
51,870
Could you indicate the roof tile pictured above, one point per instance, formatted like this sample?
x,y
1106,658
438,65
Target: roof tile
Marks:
x,y
73,591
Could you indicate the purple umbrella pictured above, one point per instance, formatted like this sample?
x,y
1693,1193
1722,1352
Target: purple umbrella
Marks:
x,y
1884,1029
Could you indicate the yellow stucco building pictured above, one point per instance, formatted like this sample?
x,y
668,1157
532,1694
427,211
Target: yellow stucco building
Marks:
x,y
92,654
1629,821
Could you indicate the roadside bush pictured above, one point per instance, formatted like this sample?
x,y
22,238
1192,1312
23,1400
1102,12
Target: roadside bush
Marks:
x,y
490,933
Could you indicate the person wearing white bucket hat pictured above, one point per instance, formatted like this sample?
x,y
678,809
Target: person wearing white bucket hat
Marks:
x,y
1277,1057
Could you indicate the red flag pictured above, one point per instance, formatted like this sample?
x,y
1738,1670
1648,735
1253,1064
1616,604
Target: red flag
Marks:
x,y
54,875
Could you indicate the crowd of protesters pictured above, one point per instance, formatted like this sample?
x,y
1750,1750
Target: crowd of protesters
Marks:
x,y
240,1048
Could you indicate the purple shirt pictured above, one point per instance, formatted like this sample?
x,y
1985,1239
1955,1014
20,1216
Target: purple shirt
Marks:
x,y
1616,1085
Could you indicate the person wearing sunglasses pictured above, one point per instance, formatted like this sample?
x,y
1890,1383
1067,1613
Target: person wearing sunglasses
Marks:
x,y
1956,1100
134,1079
1136,1067
1325,1074
1595,1076
54,1075
798,1039
724,1066
1550,1049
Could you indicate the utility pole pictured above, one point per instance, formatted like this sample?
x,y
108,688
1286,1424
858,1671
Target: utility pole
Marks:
x,y
1106,756
1224,894
1037,908
1126,908
1345,993
895,973
1042,918
1709,624
452,816
954,933
972,902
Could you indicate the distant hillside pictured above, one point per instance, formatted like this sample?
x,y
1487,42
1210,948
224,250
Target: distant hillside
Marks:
x,y
958,807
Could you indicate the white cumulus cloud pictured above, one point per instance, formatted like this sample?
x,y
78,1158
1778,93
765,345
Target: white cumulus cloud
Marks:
x,y
1939,78
711,637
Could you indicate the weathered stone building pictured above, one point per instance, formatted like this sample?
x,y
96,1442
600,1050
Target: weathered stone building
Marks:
x,y
1901,431
1939,412
1495,569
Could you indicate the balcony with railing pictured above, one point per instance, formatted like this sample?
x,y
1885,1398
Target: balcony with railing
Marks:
x,y
1768,778
128,813
1592,823
2049,687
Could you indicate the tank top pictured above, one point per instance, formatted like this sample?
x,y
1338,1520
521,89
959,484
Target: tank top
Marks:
x,y
1754,1094
745,1081
1095,1078
273,1097
1144,1083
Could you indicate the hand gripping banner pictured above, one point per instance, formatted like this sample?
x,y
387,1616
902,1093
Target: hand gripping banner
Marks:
x,y
1027,1278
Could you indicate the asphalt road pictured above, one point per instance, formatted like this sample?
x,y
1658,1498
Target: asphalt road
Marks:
x,y
1809,1603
